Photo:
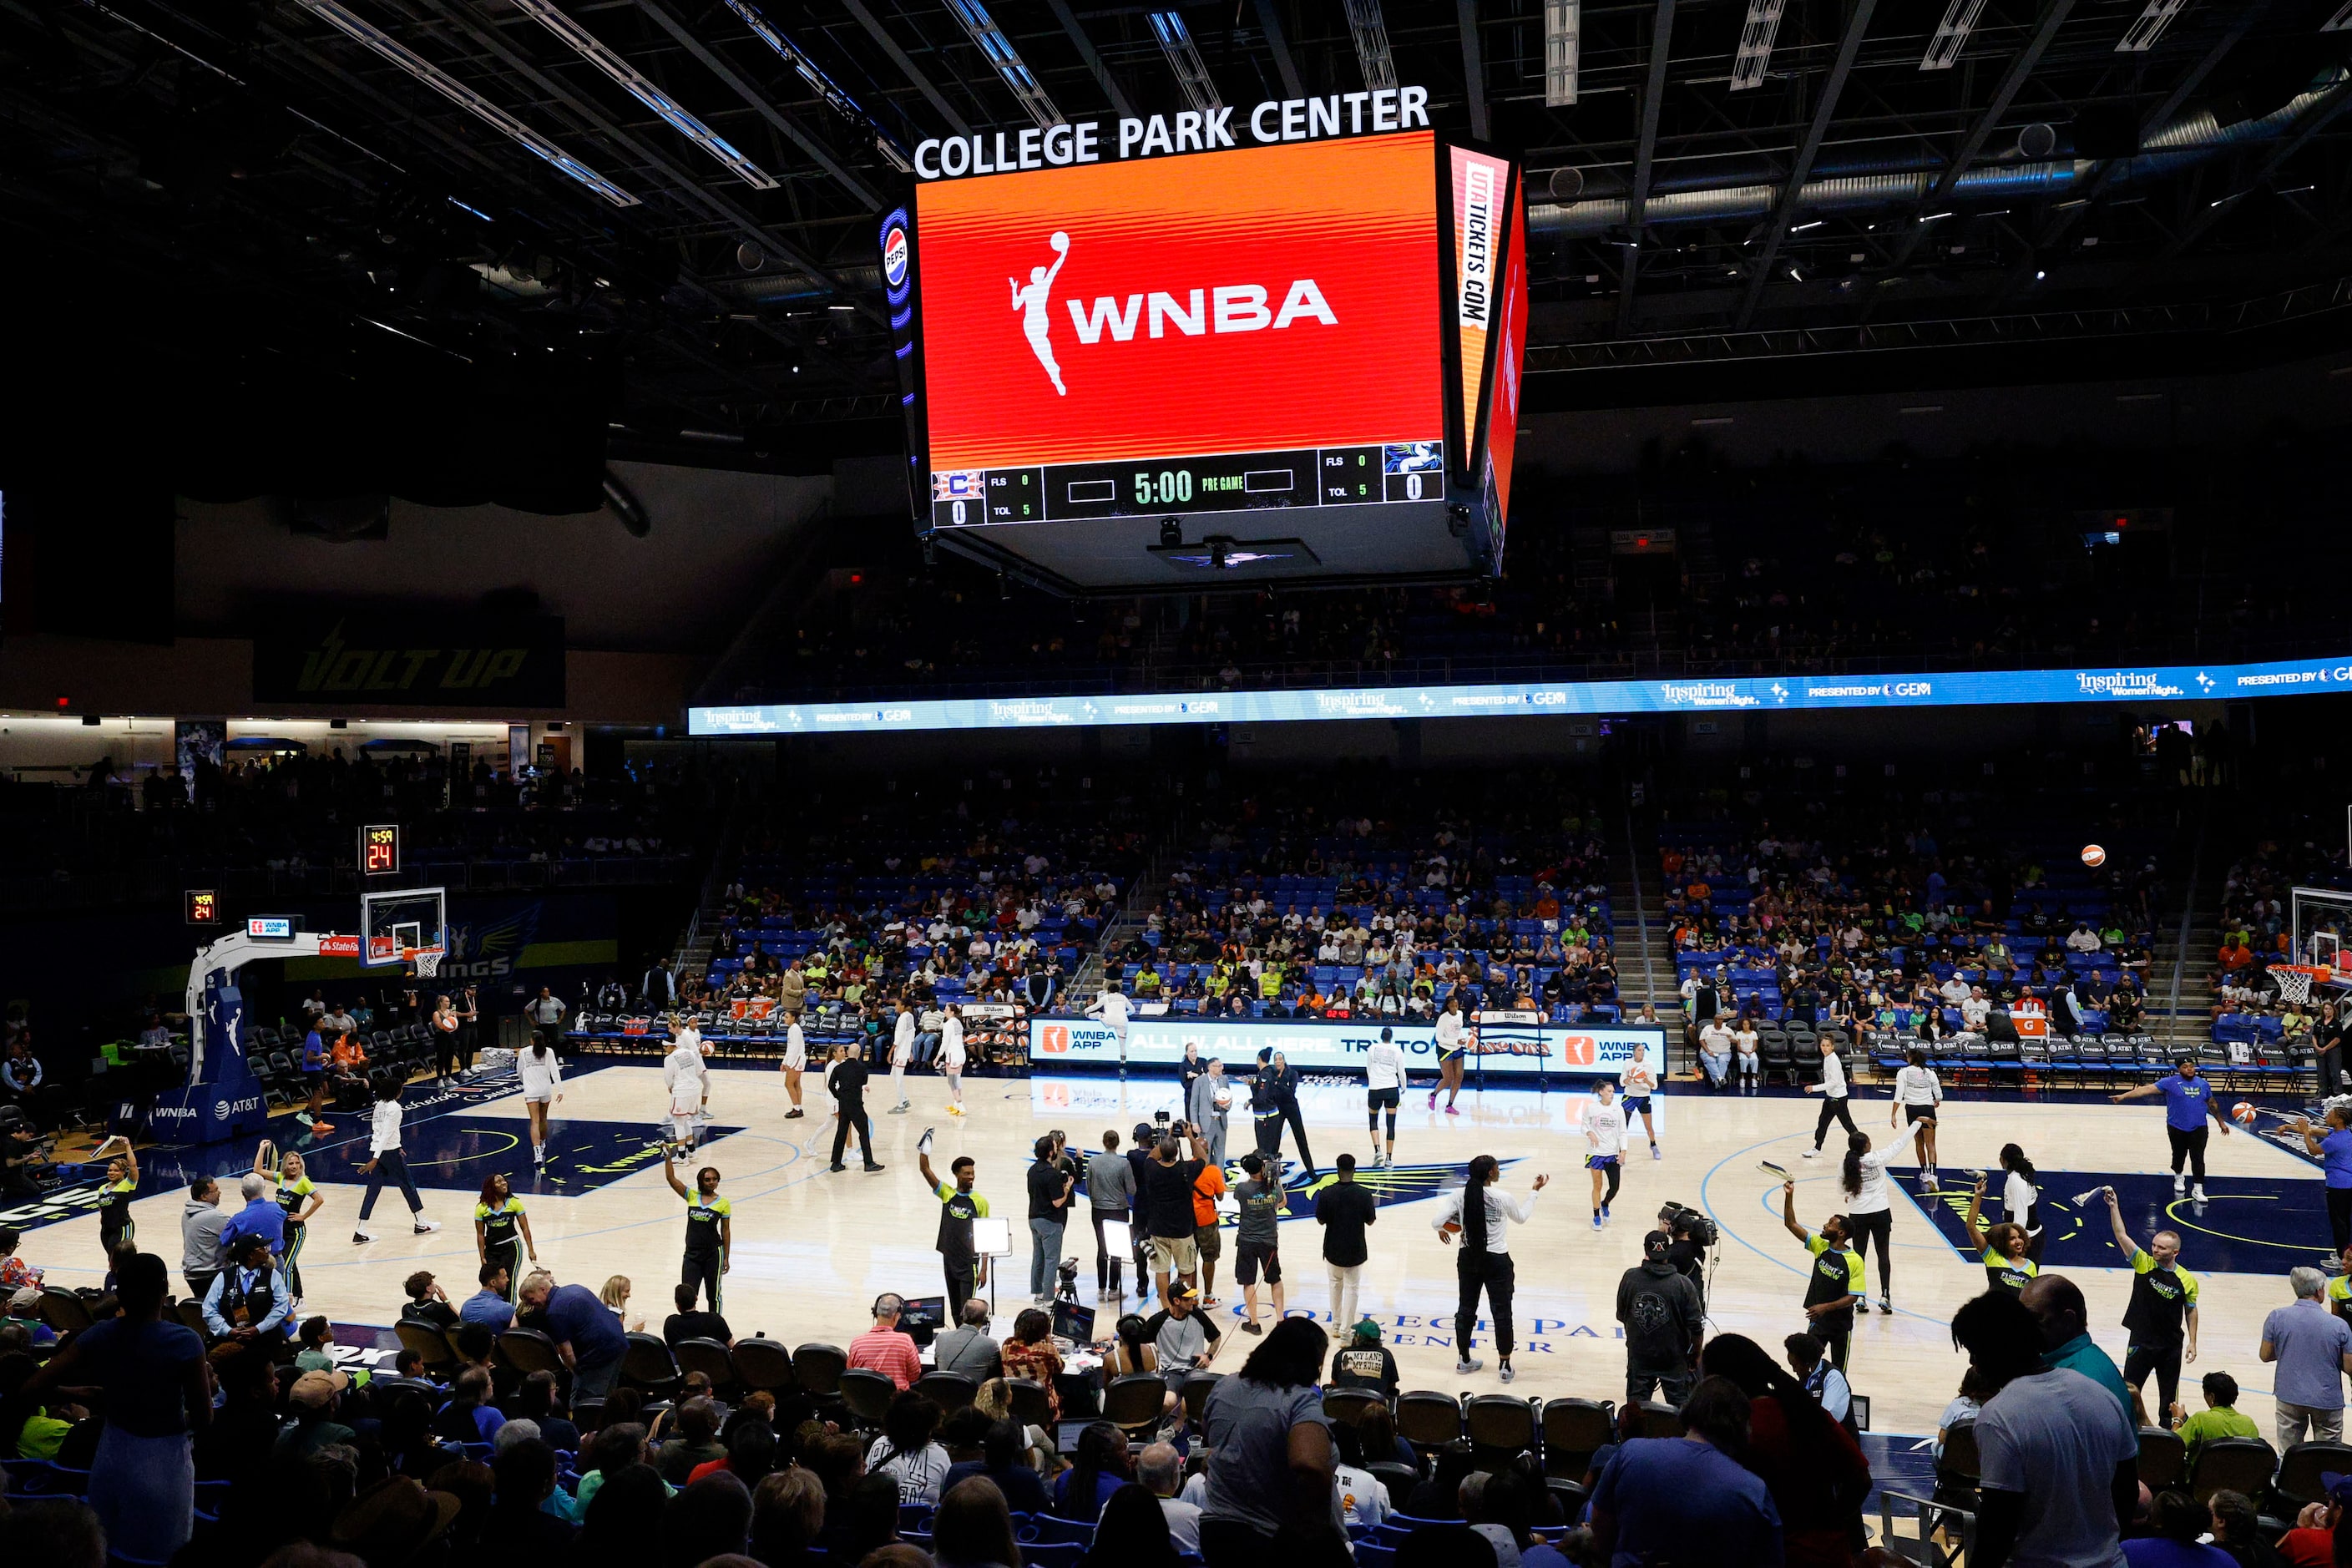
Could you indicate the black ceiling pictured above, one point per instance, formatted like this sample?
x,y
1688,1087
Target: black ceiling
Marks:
x,y
186,186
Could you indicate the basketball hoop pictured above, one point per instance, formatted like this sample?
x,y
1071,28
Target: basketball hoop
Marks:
x,y
423,963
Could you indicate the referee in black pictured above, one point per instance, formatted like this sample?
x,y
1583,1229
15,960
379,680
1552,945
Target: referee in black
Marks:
x,y
846,1081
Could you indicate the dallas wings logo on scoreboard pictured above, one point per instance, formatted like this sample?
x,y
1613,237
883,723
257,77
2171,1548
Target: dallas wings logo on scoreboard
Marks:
x,y
1145,341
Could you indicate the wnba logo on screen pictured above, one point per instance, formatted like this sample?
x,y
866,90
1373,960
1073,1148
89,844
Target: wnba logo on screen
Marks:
x,y
1578,1050
1054,1039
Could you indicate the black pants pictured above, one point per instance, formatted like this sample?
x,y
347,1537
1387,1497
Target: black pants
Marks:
x,y
200,1282
392,1167
1268,1129
1616,1168
962,1277
1106,1262
1297,1132
2339,1216
2141,1360
445,1052
1863,1228
469,1039
1832,1110
704,1270
852,1116
2331,1067
1834,1332
1490,1271
2193,1145
1671,1381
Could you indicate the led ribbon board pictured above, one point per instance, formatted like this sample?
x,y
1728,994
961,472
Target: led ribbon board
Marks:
x,y
2173,683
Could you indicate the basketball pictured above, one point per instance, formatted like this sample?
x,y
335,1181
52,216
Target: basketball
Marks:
x,y
1449,1229
2242,1113
2093,857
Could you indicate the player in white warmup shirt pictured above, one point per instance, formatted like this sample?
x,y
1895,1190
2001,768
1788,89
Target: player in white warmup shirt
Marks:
x,y
1918,1094
543,1086
1604,1137
1383,1084
902,1052
795,1062
951,1058
684,1078
1640,1083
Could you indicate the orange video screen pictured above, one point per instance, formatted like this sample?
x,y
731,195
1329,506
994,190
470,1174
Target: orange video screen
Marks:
x,y
1248,301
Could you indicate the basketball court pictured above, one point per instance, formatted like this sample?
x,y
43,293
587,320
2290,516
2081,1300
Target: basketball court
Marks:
x,y
812,1249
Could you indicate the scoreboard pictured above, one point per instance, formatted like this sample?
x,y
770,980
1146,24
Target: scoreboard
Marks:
x,y
1221,482
1305,343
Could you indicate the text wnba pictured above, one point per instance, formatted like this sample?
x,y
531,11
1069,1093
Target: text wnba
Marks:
x,y
1238,308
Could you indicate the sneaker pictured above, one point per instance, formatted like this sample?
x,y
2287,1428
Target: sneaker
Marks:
x,y
793,1114
1505,1372
362,1238
1605,1215
2179,1183
836,1168
1886,1306
1656,1153
1812,1153
1453,1110
871,1168
1251,1329
1596,1219
1464,1368
1433,1100
303,1117
898,1110
2196,1193
427,1227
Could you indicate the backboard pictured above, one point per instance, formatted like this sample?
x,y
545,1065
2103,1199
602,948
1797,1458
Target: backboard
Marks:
x,y
399,924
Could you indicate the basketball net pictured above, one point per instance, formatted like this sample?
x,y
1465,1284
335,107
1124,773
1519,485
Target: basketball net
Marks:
x,y
2295,980
426,962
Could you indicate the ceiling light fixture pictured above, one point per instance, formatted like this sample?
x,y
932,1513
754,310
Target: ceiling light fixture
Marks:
x,y
991,42
1755,36
2141,36
361,31
825,87
1371,31
631,81
1951,35
1563,19
1184,59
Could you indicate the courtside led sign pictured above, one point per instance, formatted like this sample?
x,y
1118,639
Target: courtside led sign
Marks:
x,y
1761,693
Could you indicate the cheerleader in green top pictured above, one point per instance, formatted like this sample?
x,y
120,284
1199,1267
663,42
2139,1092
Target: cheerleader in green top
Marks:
x,y
115,1226
299,1197
503,1232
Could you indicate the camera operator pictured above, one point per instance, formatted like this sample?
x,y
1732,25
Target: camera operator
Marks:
x,y
1693,1234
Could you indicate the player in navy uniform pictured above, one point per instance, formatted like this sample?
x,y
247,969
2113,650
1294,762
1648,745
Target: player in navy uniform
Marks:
x,y
2188,1101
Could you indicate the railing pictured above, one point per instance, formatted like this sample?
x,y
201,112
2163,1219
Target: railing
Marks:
x,y
246,885
2188,921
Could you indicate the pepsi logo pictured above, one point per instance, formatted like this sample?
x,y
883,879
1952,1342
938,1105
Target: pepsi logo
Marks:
x,y
895,252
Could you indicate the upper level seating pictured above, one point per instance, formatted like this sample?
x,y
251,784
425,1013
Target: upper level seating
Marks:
x,y
1335,894
957,887
1911,923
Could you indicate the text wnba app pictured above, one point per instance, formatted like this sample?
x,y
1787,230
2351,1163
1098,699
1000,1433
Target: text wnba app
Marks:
x,y
1221,308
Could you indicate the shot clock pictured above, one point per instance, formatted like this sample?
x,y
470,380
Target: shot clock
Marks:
x,y
380,849
204,907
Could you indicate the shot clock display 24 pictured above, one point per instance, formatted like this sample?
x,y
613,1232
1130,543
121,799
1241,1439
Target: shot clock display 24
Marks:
x,y
380,849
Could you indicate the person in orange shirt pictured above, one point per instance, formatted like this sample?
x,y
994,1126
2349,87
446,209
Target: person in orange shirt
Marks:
x,y
2235,956
347,1064
1208,1239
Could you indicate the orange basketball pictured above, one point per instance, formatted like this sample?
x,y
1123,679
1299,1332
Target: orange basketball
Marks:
x,y
2093,857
